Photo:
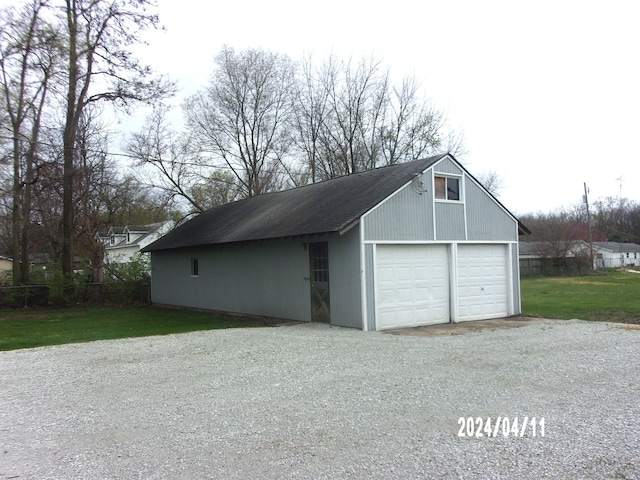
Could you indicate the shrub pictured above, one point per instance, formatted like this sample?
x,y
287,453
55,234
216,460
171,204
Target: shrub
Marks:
x,y
128,282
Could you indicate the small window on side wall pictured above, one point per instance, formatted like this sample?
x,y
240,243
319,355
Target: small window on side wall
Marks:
x,y
447,188
194,267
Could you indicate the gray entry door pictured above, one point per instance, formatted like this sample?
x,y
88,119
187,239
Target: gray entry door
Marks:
x,y
319,279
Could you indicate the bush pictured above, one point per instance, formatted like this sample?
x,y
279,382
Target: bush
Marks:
x,y
24,296
124,284
128,282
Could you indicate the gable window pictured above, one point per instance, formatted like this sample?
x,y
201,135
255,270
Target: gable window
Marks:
x,y
447,188
194,267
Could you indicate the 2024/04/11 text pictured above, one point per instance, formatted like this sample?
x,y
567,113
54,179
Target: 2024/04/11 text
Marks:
x,y
478,427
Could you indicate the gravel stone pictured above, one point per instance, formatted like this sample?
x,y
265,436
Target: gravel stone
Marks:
x,y
319,402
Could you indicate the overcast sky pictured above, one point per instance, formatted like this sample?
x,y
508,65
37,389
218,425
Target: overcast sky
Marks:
x,y
547,92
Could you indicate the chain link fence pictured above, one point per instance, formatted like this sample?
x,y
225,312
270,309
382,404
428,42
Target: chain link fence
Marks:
x,y
571,266
117,293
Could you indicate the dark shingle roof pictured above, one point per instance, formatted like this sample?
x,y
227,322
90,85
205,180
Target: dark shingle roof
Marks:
x,y
322,207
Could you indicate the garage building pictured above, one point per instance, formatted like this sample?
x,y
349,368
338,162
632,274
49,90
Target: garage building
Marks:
x,y
405,245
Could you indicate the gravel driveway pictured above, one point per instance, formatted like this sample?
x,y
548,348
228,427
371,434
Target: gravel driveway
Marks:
x,y
310,401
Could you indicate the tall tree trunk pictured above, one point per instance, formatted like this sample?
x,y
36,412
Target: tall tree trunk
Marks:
x,y
70,128
16,220
26,220
67,204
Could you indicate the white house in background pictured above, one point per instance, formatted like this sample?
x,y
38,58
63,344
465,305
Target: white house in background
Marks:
x,y
121,244
614,254
6,265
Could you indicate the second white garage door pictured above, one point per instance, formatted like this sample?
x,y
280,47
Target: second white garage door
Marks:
x,y
483,290
412,285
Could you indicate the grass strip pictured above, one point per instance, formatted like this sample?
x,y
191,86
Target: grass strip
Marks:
x,y
614,297
50,326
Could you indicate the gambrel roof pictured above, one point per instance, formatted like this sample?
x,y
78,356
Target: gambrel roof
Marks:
x,y
325,207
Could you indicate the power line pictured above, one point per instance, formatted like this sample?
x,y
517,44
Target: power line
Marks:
x,y
150,160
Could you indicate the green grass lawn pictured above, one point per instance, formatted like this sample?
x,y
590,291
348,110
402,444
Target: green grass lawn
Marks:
x,y
613,297
52,326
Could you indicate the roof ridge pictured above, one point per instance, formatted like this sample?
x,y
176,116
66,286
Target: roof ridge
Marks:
x,y
322,207
332,179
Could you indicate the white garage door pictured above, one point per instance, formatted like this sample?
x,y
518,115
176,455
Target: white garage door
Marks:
x,y
483,290
412,285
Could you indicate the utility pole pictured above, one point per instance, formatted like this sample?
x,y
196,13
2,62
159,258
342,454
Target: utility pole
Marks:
x,y
586,202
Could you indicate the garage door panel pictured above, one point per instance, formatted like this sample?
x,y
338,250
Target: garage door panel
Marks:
x,y
412,285
482,282
403,295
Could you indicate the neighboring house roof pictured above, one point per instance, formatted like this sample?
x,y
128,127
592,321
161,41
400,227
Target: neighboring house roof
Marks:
x,y
546,249
41,258
146,231
617,247
325,207
552,249
142,228
528,248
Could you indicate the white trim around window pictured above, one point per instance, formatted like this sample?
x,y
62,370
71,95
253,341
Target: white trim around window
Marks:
x,y
448,187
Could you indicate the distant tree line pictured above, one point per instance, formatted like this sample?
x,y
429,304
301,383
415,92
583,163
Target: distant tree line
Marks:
x,y
612,219
264,122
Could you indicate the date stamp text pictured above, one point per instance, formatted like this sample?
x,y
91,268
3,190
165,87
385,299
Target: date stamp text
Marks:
x,y
478,427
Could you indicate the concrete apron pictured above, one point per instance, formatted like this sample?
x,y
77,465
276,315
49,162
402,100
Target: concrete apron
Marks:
x,y
461,328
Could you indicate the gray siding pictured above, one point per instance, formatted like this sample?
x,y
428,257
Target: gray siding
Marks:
x,y
345,291
407,215
412,214
269,278
447,166
258,278
450,221
486,220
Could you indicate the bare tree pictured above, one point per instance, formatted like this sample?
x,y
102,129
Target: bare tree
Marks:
x,y
412,128
101,67
177,170
216,189
28,57
351,117
94,172
557,234
492,181
356,98
124,200
270,124
309,115
242,118
618,218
